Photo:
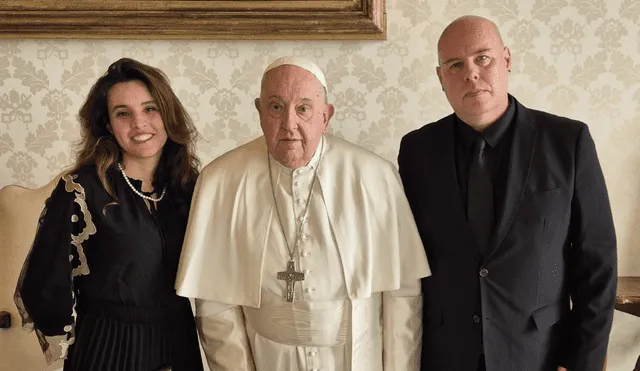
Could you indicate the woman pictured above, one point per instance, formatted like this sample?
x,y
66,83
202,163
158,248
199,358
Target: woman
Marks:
x,y
97,285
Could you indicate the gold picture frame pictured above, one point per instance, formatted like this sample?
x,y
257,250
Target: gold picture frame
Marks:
x,y
193,19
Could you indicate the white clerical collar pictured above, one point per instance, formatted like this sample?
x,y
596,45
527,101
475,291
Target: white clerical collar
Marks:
x,y
311,165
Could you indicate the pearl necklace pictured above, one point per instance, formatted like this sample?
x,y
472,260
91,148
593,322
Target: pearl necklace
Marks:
x,y
126,178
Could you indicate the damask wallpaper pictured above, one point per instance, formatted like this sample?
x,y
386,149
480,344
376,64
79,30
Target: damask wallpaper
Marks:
x,y
576,58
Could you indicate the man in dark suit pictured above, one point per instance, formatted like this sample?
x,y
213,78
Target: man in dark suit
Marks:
x,y
513,211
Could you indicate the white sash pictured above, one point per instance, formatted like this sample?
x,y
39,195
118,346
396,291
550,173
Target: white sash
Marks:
x,y
311,324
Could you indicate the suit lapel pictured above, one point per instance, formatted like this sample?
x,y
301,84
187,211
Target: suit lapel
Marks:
x,y
446,191
519,166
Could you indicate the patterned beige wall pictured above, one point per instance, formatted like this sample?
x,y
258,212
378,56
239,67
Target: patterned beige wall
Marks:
x,y
578,58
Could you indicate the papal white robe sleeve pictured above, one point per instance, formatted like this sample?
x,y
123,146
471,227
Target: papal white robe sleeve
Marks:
x,y
359,307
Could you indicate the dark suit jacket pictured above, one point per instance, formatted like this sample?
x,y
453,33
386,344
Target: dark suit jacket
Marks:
x,y
554,242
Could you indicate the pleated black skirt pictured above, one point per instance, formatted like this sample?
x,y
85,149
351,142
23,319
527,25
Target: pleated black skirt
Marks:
x,y
114,337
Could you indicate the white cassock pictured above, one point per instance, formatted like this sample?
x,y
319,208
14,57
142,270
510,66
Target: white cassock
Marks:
x,y
359,307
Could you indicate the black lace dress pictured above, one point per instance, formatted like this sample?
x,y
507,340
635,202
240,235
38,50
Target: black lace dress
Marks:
x,y
97,285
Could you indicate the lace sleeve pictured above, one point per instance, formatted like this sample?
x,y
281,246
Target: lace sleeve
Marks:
x,y
45,295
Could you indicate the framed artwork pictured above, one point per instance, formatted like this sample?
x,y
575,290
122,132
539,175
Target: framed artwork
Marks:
x,y
194,19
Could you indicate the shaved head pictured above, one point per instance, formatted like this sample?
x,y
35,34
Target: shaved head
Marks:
x,y
473,67
468,24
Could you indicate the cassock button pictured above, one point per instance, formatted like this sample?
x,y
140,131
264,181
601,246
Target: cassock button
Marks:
x,y
306,271
306,253
313,354
476,318
484,273
305,236
309,290
297,184
300,201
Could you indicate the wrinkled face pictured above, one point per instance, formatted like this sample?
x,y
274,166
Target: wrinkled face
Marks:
x,y
473,71
293,114
135,121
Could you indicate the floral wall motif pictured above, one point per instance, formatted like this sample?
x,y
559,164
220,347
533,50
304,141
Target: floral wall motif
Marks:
x,y
576,58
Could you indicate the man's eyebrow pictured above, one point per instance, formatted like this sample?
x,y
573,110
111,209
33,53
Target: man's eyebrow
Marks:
x,y
476,52
302,100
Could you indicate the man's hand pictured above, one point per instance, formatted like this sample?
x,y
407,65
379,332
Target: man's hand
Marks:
x,y
560,368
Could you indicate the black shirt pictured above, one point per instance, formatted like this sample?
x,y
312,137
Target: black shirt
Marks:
x,y
498,136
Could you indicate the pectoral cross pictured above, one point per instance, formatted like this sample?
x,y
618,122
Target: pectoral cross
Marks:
x,y
291,276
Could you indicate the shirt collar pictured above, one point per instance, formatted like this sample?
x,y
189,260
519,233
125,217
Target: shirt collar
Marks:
x,y
491,134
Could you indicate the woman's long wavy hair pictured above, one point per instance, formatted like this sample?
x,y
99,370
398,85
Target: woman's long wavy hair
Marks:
x,y
178,165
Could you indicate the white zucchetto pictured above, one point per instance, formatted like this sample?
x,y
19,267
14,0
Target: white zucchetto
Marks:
x,y
302,63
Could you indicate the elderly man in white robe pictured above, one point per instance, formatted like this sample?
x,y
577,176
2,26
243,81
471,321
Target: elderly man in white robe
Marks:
x,y
301,249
